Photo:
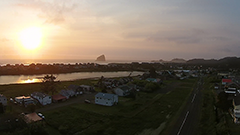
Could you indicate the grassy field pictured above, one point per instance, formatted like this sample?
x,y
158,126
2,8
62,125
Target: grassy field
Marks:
x,y
13,90
143,115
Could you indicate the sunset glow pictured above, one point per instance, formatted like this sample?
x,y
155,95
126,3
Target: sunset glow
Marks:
x,y
121,30
31,38
29,81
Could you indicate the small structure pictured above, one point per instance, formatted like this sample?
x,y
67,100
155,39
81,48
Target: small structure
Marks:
x,y
155,80
32,117
43,99
65,93
76,88
3,100
58,97
25,100
87,89
226,81
71,93
236,109
106,99
122,90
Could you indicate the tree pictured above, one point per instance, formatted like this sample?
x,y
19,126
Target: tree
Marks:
x,y
223,102
49,84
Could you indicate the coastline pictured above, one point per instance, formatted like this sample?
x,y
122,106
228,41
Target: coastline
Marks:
x,y
20,79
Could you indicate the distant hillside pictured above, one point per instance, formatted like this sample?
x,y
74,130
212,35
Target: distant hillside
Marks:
x,y
229,62
177,60
202,61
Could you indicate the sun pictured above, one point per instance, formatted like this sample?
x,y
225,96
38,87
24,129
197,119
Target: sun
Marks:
x,y
31,37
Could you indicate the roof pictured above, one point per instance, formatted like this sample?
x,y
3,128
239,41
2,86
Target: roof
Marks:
x,y
104,95
23,97
73,87
39,94
85,86
226,80
58,97
1,95
32,117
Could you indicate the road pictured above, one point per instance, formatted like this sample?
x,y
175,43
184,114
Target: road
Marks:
x,y
187,123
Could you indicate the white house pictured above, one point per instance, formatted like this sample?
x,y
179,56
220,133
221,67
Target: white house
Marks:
x,y
3,100
106,99
43,99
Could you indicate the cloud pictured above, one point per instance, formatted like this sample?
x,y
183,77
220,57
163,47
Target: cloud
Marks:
x,y
53,12
179,36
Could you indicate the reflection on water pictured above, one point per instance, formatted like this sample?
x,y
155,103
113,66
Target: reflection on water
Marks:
x,y
29,81
12,79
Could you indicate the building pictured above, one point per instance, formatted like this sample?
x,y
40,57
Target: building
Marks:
x,y
236,109
87,89
58,97
76,88
65,93
106,99
123,90
25,100
3,100
42,98
32,117
226,81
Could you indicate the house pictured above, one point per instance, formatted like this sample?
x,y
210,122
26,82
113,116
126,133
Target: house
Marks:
x,y
76,88
3,100
58,97
71,93
32,117
42,98
122,90
87,89
65,93
236,109
106,99
25,100
226,81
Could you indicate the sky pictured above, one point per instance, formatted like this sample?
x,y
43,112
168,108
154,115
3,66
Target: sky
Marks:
x,y
122,29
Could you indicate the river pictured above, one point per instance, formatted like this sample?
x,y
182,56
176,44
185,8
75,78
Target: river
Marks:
x,y
20,79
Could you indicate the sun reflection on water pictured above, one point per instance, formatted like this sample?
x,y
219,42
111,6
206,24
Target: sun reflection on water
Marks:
x,y
29,81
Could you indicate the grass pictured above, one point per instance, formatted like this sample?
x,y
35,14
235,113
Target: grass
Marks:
x,y
130,116
13,90
119,119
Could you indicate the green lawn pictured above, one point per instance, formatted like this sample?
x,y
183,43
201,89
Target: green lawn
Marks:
x,y
129,117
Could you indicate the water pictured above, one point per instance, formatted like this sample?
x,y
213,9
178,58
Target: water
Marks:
x,y
19,79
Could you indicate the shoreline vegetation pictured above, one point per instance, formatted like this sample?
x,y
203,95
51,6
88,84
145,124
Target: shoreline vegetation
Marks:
x,y
36,69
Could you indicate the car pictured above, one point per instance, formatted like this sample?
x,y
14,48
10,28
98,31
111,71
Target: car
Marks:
x,y
41,115
87,101
11,99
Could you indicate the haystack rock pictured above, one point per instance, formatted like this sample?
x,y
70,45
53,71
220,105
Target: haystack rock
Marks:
x,y
101,58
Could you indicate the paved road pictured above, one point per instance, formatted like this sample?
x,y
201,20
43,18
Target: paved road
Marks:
x,y
187,123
